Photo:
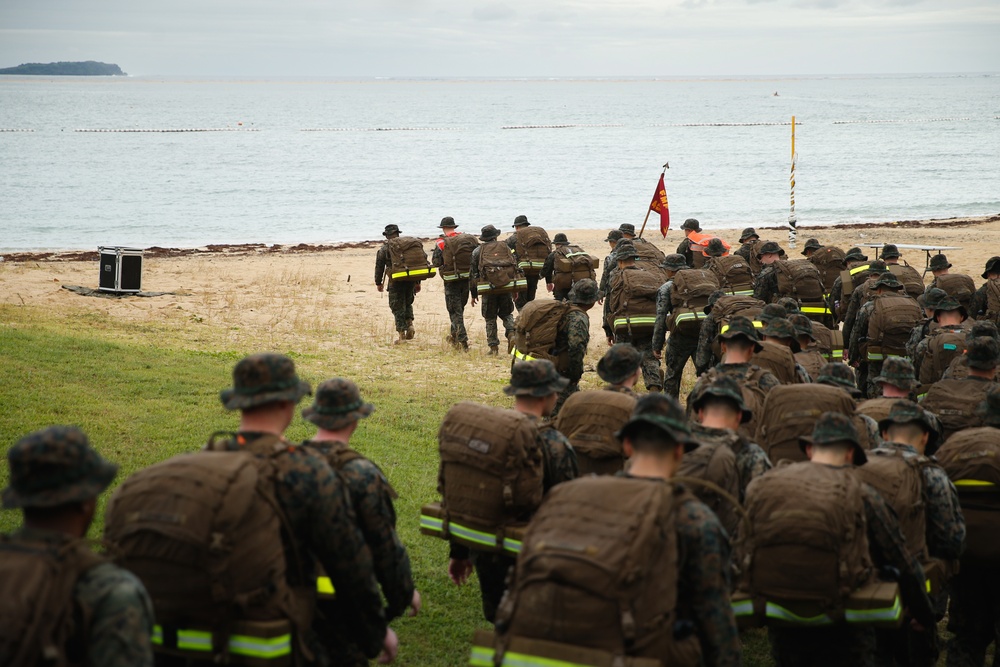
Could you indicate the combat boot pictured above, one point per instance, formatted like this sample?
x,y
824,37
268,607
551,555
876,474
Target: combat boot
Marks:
x,y
401,339
464,345
409,330
494,350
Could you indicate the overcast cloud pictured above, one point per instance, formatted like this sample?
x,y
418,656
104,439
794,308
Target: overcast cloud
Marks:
x,y
346,38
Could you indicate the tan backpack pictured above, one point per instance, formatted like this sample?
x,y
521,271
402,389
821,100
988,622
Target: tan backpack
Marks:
x,y
955,403
532,246
876,408
812,360
40,621
958,286
492,469
633,300
992,301
204,532
688,298
777,359
572,263
536,330
943,346
913,282
498,272
408,260
972,460
850,279
791,411
590,419
800,279
457,256
715,462
809,547
649,259
890,324
829,341
598,574
831,262
753,394
900,481
733,274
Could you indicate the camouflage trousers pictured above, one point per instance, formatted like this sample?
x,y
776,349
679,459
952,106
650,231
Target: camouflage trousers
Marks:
x,y
974,616
526,295
401,303
456,295
491,569
650,365
680,348
494,306
838,646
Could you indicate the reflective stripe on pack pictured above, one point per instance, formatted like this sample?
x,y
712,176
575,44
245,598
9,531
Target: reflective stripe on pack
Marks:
x,y
816,310
324,586
878,356
436,525
635,321
483,656
778,612
517,354
254,647
429,271
757,324
740,292
859,269
576,254
973,482
893,613
530,265
835,354
743,608
512,285
455,276
683,317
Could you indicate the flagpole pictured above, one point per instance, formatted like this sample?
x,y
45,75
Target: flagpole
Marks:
x,y
666,165
792,219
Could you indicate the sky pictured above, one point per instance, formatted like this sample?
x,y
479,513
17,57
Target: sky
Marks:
x,y
506,38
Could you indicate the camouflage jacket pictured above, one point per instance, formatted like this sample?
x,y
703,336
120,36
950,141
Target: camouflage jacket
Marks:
x,y
704,356
744,251
319,510
977,309
382,263
765,287
371,496
574,337
751,460
120,612
918,334
945,523
684,248
859,331
920,349
549,267
474,273
663,309
861,295
605,285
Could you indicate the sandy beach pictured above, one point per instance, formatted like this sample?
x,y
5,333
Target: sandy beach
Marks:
x,y
288,296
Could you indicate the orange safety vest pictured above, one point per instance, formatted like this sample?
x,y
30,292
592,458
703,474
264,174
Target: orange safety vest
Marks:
x,y
699,241
440,242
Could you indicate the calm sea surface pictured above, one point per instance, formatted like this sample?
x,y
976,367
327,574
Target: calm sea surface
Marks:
x,y
410,152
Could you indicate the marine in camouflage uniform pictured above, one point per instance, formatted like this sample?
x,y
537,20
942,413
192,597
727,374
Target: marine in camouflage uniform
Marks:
x,y
680,346
943,304
739,327
765,287
844,644
336,411
809,356
494,305
959,367
704,564
522,298
620,368
625,252
747,239
549,268
992,272
841,376
781,329
456,292
574,336
529,382
57,468
929,301
861,295
400,292
704,357
609,263
313,498
867,368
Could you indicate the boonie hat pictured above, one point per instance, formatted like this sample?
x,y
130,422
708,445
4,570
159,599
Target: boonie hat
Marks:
x,y
521,221
855,255
625,249
811,244
939,262
584,291
772,311
560,239
613,235
664,412
838,374
535,378
447,221
983,353
390,230
748,233
931,297
888,281
712,298
488,233
834,427
263,378
948,303
989,409
715,248
55,466
992,266
674,262
790,305
626,228
803,325
770,248
337,404
691,224
898,372
890,251
983,328
904,412
724,386
621,361
781,328
741,326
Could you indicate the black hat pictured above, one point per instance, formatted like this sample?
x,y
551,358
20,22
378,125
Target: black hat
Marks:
x,y
770,248
627,228
447,221
992,266
715,248
890,251
749,233
560,239
664,412
811,244
855,254
983,353
613,235
724,386
390,230
833,427
521,221
692,225
619,363
489,233
741,326
939,262
904,412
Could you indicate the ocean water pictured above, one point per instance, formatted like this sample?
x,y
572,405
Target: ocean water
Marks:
x,y
323,161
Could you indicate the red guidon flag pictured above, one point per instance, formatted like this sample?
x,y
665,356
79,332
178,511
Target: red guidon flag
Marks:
x,y
660,205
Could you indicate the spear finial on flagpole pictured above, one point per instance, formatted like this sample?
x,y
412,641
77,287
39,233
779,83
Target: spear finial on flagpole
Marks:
x,y
666,165
793,221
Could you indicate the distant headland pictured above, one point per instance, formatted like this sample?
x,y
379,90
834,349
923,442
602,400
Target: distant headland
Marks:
x,y
87,68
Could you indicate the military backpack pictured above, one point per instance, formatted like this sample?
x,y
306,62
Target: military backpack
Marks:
x,y
831,262
537,329
955,403
498,272
972,460
943,346
590,419
992,301
572,263
753,394
799,279
791,411
850,279
899,480
958,286
890,324
715,462
41,622
830,341
812,360
876,408
632,304
602,575
532,246
733,274
688,298
649,259
408,261
779,360
456,256
913,282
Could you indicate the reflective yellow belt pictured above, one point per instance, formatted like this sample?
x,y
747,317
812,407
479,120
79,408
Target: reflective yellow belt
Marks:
x,y
517,354
816,310
482,656
429,271
455,276
973,483
640,320
530,265
683,317
878,356
859,269
475,536
254,647
740,292
518,282
773,610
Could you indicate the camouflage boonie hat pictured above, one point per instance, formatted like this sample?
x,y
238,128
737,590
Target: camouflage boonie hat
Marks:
x,y
560,239
390,230
989,409
620,362
790,305
741,326
613,235
627,228
488,233
748,234
584,291
770,248
811,244
890,251
983,328
55,466
664,412
803,325
674,262
772,311
535,378
898,372
992,266
939,262
904,412
949,303
780,327
691,224
838,374
983,353
855,255
263,378
888,281
521,221
834,427
715,248
625,249
448,221
724,386
931,298
337,404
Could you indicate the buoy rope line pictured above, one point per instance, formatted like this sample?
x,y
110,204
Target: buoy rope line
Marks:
x,y
188,129
904,120
377,129
720,124
554,127
15,129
